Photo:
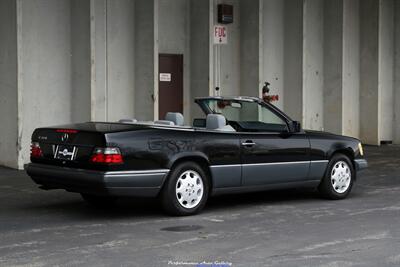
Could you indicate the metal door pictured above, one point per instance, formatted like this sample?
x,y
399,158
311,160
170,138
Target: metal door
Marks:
x,y
170,84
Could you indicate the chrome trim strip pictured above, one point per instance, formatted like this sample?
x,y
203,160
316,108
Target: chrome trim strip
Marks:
x,y
136,174
225,166
276,163
320,161
145,172
269,163
105,173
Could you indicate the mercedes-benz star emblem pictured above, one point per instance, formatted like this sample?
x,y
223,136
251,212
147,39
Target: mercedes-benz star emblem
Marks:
x,y
64,137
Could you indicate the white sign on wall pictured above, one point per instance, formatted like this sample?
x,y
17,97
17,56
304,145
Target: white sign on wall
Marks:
x,y
165,77
220,34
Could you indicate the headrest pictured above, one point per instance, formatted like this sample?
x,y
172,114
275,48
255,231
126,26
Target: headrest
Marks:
x,y
215,121
175,117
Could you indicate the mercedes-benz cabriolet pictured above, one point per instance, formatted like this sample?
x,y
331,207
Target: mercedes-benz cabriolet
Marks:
x,y
242,144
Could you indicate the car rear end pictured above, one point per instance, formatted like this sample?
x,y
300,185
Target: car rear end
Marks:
x,y
89,158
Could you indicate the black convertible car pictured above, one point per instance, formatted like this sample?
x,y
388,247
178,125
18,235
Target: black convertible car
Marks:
x,y
243,144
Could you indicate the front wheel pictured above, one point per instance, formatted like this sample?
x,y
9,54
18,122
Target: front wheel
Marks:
x,y
339,178
186,190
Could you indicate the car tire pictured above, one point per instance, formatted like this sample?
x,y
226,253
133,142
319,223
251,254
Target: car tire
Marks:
x,y
99,201
339,178
185,192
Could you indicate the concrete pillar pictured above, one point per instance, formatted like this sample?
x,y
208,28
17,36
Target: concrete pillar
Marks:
x,y
313,74
98,43
351,69
146,59
333,97
44,67
80,61
341,67
227,73
273,47
293,59
250,50
113,58
200,49
120,59
376,79
9,106
385,71
396,124
369,65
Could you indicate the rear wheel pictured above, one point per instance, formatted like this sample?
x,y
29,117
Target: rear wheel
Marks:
x,y
99,201
186,190
339,178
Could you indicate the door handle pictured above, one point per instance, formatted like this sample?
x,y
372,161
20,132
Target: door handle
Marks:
x,y
248,143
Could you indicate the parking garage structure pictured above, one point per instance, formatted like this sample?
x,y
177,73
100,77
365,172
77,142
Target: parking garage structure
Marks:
x,y
334,64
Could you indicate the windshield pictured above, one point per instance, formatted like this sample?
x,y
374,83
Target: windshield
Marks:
x,y
244,115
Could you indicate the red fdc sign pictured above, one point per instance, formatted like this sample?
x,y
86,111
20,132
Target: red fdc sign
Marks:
x,y
220,34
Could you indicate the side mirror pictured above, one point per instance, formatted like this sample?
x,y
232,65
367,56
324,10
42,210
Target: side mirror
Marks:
x,y
296,126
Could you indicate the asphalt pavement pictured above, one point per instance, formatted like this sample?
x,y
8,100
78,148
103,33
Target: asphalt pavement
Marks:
x,y
279,228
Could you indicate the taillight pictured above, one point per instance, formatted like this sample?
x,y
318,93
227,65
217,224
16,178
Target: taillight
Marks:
x,y
107,155
36,151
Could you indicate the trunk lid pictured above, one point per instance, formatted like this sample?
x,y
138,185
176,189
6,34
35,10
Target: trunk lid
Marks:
x,y
72,145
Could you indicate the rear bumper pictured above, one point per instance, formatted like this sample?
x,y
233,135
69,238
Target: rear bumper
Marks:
x,y
361,164
143,183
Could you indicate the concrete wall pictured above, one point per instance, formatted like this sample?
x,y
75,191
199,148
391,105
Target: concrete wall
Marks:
x,y
313,81
397,75
172,28
80,60
333,66
174,38
8,84
334,63
385,71
370,111
199,53
45,67
120,59
351,69
98,60
250,54
293,59
146,59
229,54
341,67
113,59
273,47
